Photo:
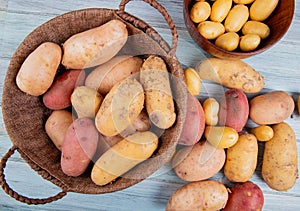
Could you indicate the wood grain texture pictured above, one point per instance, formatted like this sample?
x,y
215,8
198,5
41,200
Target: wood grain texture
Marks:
x,y
279,65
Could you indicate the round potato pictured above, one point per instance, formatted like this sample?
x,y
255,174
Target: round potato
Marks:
x,y
210,30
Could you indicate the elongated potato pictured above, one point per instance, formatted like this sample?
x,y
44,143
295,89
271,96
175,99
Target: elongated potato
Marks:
x,y
236,18
59,95
271,108
241,159
221,137
260,10
123,156
228,73
154,77
38,70
263,132
256,27
120,107
193,82
200,12
234,109
104,77
56,126
280,160
95,46
200,162
220,10
79,147
201,195
210,29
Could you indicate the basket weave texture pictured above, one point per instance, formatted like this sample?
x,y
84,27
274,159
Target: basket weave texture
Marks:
x,y
25,115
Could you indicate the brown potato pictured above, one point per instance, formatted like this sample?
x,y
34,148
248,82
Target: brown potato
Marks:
x,y
271,108
198,162
241,159
201,195
280,160
105,76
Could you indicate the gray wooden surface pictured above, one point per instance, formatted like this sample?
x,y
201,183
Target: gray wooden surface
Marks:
x,y
279,65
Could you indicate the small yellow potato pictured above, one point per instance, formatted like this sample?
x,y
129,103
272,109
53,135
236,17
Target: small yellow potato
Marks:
x,y
256,27
249,42
211,110
154,77
201,195
200,11
280,159
57,125
210,30
200,162
243,1
38,70
227,72
120,107
95,46
263,132
236,18
221,137
123,156
86,101
105,76
228,41
220,10
241,159
260,10
193,82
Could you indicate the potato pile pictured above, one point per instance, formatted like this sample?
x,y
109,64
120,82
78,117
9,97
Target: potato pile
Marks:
x,y
226,144
106,112
233,24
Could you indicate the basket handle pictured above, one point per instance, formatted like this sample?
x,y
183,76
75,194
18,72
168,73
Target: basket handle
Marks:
x,y
167,17
14,194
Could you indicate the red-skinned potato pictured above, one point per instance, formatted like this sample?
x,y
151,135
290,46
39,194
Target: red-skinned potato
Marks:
x,y
59,95
79,146
234,109
245,196
194,122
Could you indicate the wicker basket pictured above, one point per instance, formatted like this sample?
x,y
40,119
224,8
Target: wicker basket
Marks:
x,y
25,115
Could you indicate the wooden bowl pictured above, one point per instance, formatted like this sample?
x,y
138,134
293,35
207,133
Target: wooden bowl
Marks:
x,y
278,22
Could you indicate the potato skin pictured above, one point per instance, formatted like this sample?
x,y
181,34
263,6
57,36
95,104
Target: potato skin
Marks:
x,y
123,156
280,159
200,162
105,76
241,159
59,95
231,74
234,109
38,70
159,103
194,124
79,147
271,108
120,107
95,46
56,126
200,195
245,196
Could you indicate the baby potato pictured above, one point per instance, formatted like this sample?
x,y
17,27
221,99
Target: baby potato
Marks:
x,y
228,41
256,27
211,110
236,18
201,195
263,132
193,82
260,10
221,137
241,159
220,10
86,101
210,30
280,159
200,162
200,11
38,70
249,42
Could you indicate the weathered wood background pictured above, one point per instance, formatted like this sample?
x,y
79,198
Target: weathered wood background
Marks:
x,y
279,65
